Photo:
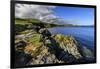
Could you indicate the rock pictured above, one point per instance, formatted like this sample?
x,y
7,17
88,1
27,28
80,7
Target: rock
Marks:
x,y
19,46
44,59
21,59
57,50
69,44
45,32
87,53
45,48
42,55
47,41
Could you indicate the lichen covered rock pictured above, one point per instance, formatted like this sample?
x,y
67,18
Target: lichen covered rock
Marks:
x,y
58,48
69,44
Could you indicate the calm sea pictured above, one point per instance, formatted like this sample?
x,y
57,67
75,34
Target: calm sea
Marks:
x,y
85,35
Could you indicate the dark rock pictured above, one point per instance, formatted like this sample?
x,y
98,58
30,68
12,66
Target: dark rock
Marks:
x,y
21,59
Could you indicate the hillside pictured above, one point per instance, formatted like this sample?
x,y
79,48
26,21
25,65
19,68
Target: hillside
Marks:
x,y
38,22
34,46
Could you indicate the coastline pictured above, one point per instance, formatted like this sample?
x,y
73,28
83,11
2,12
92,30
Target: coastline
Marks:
x,y
57,49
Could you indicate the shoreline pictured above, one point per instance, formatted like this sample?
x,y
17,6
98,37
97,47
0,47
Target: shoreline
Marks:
x,y
66,46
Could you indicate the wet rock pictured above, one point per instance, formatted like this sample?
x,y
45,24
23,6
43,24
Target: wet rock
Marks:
x,y
87,54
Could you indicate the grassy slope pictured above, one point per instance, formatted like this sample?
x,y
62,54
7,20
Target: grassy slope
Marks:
x,y
37,22
32,21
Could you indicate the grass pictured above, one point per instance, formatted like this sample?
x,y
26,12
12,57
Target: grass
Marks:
x,y
35,22
35,38
34,49
26,21
61,37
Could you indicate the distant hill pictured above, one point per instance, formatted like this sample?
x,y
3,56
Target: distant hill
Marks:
x,y
40,23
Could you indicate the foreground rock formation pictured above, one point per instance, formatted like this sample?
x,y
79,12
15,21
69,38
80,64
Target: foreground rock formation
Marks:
x,y
58,48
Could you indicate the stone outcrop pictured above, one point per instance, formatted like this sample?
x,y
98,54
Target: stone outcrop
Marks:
x,y
69,44
57,48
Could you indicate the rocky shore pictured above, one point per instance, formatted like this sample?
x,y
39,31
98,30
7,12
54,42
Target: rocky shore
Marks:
x,y
34,48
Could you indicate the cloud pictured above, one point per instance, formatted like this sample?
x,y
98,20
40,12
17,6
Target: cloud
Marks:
x,y
41,12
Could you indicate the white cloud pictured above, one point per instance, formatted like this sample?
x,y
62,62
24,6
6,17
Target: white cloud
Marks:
x,y
41,12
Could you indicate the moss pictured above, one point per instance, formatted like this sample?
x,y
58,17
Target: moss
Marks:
x,y
69,44
59,37
64,38
35,38
24,32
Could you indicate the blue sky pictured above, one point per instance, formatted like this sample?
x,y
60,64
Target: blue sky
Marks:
x,y
76,15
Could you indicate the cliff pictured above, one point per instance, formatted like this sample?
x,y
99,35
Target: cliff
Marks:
x,y
32,48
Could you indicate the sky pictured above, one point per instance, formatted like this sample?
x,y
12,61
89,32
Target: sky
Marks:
x,y
76,15
72,15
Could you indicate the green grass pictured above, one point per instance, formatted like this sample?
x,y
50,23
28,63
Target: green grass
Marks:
x,y
35,38
35,22
39,23
25,21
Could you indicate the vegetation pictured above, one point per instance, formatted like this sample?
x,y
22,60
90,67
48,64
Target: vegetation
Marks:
x,y
44,48
35,38
37,22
